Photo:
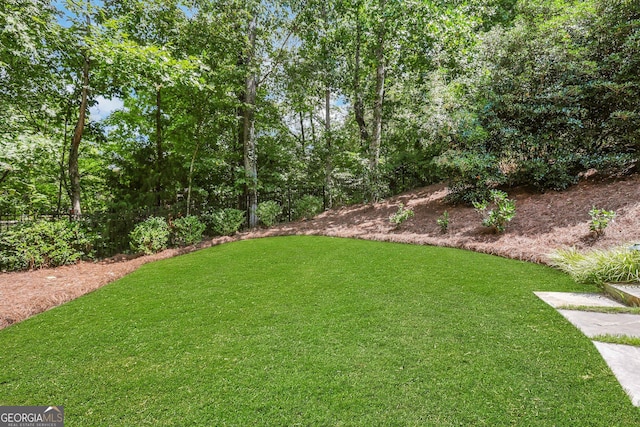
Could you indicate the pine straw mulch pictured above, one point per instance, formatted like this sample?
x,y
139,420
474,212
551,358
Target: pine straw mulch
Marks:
x,y
543,223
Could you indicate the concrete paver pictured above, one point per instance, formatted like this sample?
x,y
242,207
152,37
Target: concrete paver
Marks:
x,y
624,361
594,324
560,299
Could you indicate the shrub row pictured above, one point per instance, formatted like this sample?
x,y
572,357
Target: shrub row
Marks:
x,y
44,244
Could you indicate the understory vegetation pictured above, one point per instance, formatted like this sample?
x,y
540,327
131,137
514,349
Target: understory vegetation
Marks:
x,y
316,331
201,106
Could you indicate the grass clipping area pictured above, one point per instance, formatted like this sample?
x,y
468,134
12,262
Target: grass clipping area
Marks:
x,y
316,331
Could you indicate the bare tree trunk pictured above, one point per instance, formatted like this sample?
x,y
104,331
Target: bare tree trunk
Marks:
x,y
328,166
191,168
62,182
374,148
358,103
302,139
74,150
159,146
249,134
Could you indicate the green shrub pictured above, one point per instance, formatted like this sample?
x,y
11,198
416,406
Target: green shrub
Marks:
x,y
307,207
543,174
268,212
187,230
470,175
443,222
150,236
401,215
502,212
600,219
599,266
43,244
225,222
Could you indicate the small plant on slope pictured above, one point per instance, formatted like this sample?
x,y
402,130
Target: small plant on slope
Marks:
x,y
600,219
502,212
443,222
401,215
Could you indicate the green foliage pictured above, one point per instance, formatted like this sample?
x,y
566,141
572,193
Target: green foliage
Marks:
x,y
502,211
150,236
42,244
268,212
544,174
443,222
401,215
470,175
307,207
600,219
619,264
187,230
224,222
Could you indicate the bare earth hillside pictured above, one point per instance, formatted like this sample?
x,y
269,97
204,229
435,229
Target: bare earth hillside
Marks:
x,y
543,223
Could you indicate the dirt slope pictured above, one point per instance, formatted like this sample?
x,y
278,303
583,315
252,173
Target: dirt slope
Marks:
x,y
543,222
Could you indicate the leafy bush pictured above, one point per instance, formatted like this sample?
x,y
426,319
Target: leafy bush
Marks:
x,y
42,244
543,174
268,212
471,175
401,215
225,222
443,222
307,207
502,212
600,219
187,230
150,236
599,266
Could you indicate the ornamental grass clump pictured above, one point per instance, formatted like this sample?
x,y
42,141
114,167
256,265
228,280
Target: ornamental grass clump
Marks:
x,y
620,264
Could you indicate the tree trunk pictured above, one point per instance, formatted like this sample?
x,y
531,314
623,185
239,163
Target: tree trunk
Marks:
x,y
376,137
249,134
302,138
159,147
328,166
358,104
191,168
62,179
74,150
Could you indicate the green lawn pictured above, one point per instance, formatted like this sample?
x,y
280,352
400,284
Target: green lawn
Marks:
x,y
316,331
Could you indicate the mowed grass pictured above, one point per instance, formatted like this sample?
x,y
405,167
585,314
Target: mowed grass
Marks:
x,y
316,331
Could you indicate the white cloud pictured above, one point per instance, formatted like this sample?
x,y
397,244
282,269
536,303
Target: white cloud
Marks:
x,y
104,107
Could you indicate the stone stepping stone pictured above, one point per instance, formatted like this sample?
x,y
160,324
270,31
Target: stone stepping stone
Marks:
x,y
593,324
562,299
627,294
624,361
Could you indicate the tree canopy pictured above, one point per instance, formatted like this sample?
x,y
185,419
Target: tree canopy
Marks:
x,y
227,104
